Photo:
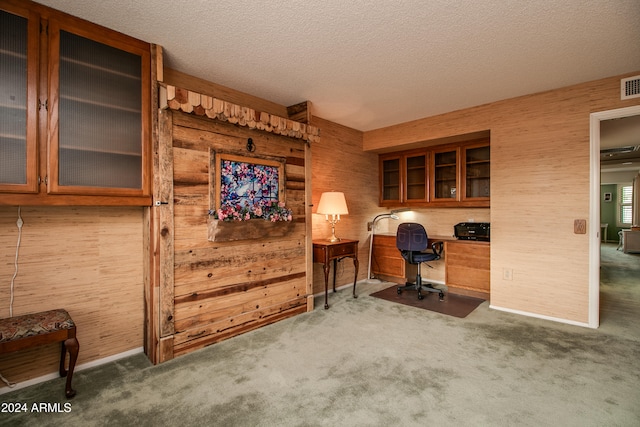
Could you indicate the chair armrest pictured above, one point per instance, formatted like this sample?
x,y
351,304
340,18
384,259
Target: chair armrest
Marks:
x,y
437,248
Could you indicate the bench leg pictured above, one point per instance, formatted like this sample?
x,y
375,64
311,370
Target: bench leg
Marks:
x,y
71,345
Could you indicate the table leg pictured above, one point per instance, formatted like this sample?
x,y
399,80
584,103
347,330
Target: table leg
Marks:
x,y
326,269
72,346
355,278
335,268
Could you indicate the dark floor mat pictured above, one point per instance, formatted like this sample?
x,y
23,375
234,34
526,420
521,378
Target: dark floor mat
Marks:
x,y
452,305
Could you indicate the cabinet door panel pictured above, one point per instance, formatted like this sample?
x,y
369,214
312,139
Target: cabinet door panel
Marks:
x,y
467,266
18,101
445,175
416,178
477,174
97,124
390,180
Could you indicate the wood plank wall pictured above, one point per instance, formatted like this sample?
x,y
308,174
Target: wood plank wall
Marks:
x,y
87,260
540,154
222,289
339,164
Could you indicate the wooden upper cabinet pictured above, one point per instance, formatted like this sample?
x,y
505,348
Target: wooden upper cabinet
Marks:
x,y
476,176
416,177
448,175
445,175
390,180
85,92
19,30
404,178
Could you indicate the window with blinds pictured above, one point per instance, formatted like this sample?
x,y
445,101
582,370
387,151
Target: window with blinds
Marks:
x,y
626,206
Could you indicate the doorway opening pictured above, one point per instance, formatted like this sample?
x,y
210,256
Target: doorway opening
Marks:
x,y
594,206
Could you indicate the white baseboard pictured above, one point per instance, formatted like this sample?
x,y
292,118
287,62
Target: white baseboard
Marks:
x,y
540,316
84,366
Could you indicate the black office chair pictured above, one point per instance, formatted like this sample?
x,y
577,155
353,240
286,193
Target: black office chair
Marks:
x,y
411,241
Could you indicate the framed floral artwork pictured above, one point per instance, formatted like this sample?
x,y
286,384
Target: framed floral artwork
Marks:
x,y
248,187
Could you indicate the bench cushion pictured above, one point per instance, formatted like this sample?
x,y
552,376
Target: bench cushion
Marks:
x,y
28,325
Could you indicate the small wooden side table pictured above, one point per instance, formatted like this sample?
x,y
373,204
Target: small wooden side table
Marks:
x,y
325,251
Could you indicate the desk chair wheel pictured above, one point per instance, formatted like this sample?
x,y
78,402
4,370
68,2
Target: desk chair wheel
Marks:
x,y
399,291
420,296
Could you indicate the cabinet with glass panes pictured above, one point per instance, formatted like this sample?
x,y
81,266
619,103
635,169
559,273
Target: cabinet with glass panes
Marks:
x,y
390,182
447,175
476,171
403,178
84,137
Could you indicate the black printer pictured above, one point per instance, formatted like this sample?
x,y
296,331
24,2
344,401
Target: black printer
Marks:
x,y
472,231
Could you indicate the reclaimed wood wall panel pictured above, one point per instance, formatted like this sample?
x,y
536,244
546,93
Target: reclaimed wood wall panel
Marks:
x,y
87,260
221,289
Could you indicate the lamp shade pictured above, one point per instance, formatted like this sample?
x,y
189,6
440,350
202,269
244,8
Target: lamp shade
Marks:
x,y
332,203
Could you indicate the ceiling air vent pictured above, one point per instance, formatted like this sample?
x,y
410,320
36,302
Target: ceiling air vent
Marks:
x,y
620,150
630,87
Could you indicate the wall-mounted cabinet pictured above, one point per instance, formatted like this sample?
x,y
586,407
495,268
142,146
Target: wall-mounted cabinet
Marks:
x,y
448,175
74,111
445,174
404,178
476,172
390,180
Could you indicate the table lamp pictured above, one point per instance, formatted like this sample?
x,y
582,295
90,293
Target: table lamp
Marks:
x,y
332,203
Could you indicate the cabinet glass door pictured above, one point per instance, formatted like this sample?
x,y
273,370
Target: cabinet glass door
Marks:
x,y
98,143
477,172
445,185
390,175
416,180
18,103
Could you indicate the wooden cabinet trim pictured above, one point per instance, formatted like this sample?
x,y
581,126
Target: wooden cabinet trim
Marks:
x,y
41,187
460,200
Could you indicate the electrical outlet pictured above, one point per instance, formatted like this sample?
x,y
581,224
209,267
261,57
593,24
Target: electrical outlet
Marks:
x,y
507,273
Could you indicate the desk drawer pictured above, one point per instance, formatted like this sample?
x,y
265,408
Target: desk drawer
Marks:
x,y
343,250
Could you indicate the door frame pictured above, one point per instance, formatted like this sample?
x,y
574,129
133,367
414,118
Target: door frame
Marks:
x,y
594,206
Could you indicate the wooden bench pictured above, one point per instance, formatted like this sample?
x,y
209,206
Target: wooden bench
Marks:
x,y
32,330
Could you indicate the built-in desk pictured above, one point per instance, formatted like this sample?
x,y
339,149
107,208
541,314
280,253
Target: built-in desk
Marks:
x,y
388,264
467,264
468,267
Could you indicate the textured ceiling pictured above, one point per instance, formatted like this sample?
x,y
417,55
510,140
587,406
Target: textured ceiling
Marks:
x,y
368,64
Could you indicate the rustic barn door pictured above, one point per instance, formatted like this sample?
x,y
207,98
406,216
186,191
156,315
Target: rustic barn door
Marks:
x,y
203,290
